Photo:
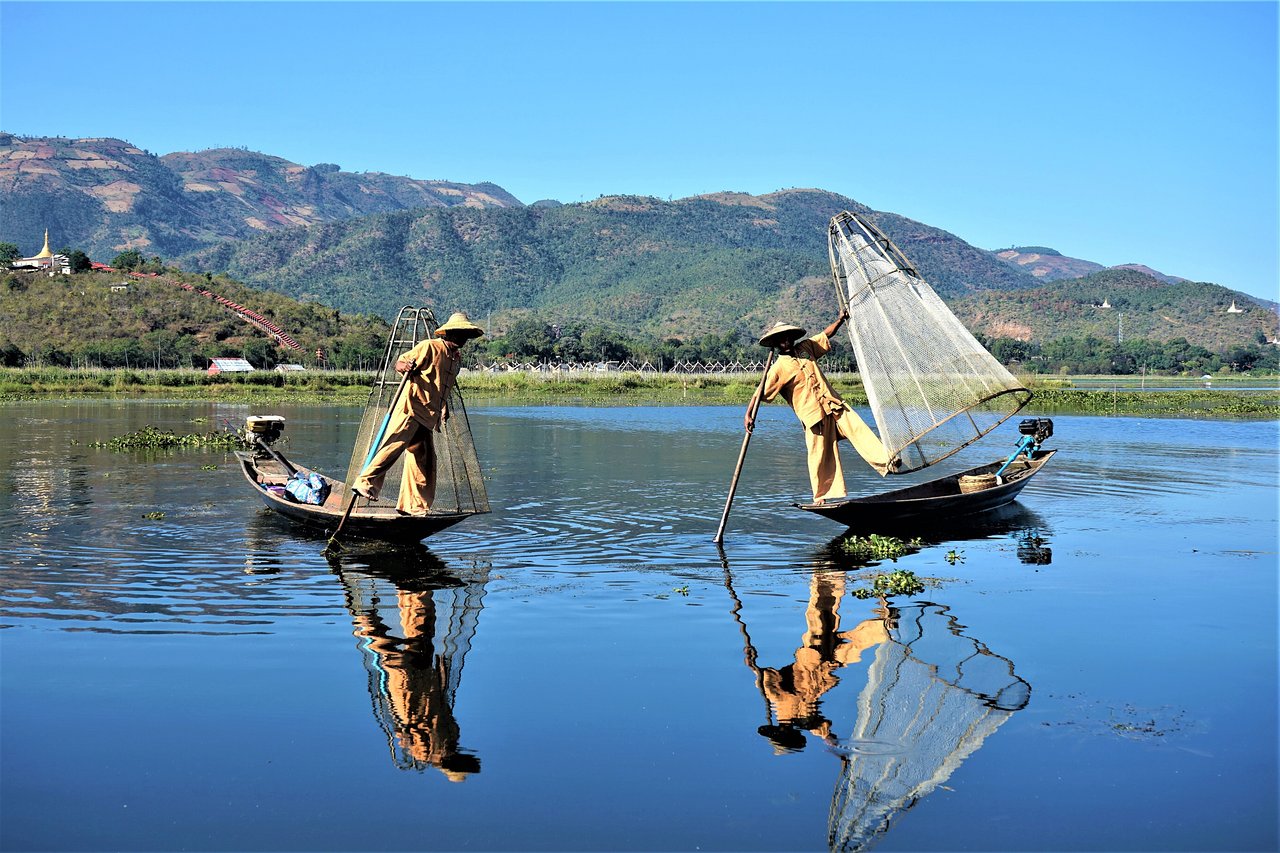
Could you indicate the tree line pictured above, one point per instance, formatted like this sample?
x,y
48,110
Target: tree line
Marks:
x,y
535,340
356,342
1092,355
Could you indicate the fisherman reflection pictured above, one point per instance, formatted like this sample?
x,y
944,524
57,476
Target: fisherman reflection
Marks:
x,y
794,692
932,697
414,627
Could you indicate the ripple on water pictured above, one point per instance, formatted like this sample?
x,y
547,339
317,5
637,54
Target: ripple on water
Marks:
x,y
156,582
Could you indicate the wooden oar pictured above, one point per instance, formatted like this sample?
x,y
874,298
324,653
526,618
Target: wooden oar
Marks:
x,y
742,454
374,447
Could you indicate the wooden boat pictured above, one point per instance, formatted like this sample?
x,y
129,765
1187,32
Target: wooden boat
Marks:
x,y
459,493
268,471
932,388
937,501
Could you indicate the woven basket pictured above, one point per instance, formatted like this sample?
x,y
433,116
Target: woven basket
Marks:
x,y
976,482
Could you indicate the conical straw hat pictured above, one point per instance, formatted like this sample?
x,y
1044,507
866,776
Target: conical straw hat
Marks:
x,y
460,322
780,332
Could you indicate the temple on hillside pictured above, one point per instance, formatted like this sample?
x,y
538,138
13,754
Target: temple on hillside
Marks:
x,y
45,261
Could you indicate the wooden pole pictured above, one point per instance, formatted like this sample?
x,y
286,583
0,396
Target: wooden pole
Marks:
x,y
742,454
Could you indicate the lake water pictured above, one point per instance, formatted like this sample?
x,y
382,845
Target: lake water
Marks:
x,y
1094,668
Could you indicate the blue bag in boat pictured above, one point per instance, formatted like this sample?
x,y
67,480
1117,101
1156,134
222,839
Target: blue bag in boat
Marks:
x,y
307,488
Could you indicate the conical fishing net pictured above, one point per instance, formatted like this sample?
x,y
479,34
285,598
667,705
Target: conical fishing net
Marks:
x,y
931,386
933,696
459,482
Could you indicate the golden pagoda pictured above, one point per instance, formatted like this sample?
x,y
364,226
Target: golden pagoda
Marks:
x,y
45,260
45,253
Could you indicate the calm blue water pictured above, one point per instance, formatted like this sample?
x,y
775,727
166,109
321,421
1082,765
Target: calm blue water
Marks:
x,y
1093,669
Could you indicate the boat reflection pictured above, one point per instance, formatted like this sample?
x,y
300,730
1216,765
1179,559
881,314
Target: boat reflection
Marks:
x,y
414,620
1027,528
932,697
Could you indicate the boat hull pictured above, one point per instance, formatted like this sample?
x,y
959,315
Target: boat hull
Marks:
x,y
936,501
366,521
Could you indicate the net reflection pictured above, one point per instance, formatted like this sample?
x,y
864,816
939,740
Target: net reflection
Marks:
x,y
932,696
414,620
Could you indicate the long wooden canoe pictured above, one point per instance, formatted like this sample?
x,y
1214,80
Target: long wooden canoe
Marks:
x,y
936,501
367,521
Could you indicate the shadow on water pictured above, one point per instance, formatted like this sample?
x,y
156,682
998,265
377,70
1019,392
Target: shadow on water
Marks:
x,y
932,696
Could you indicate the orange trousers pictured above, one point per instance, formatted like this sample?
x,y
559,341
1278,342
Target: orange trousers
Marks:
x,y
405,436
825,473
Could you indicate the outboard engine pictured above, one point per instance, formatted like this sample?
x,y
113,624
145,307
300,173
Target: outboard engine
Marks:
x,y
1039,429
264,429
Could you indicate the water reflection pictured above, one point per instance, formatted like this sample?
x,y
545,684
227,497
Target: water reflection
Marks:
x,y
1028,529
414,620
932,696
937,695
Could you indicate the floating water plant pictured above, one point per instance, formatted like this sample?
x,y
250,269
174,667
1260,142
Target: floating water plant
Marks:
x,y
153,438
897,582
153,516
876,547
954,557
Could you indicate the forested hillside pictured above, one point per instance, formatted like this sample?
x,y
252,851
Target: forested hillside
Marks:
x,y
685,267
1140,307
109,319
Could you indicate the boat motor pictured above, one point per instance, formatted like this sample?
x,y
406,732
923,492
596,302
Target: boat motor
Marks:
x,y
1039,429
1034,431
264,429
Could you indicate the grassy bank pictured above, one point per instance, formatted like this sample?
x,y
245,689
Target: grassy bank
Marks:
x,y
1106,395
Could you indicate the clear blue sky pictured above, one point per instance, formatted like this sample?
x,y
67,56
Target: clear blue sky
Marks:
x,y
1115,132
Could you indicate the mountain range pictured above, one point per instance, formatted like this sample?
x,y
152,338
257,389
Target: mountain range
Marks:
x,y
106,195
370,242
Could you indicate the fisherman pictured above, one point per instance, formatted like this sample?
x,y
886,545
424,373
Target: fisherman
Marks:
x,y
423,408
826,417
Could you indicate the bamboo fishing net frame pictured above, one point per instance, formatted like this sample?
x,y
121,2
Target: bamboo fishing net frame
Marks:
x,y
459,480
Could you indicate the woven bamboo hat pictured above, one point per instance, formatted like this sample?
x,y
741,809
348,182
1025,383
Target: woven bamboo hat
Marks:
x,y
779,333
461,323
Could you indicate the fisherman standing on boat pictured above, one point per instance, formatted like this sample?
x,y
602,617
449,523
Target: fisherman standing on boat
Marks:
x,y
826,417
422,409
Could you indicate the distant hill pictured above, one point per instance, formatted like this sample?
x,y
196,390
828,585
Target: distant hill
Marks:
x,y
1139,307
369,243
695,265
1051,265
105,195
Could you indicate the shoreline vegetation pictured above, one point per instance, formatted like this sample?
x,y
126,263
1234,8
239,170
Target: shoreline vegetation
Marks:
x,y
1222,395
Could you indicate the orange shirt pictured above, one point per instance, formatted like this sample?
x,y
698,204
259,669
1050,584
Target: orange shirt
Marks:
x,y
801,383
426,397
